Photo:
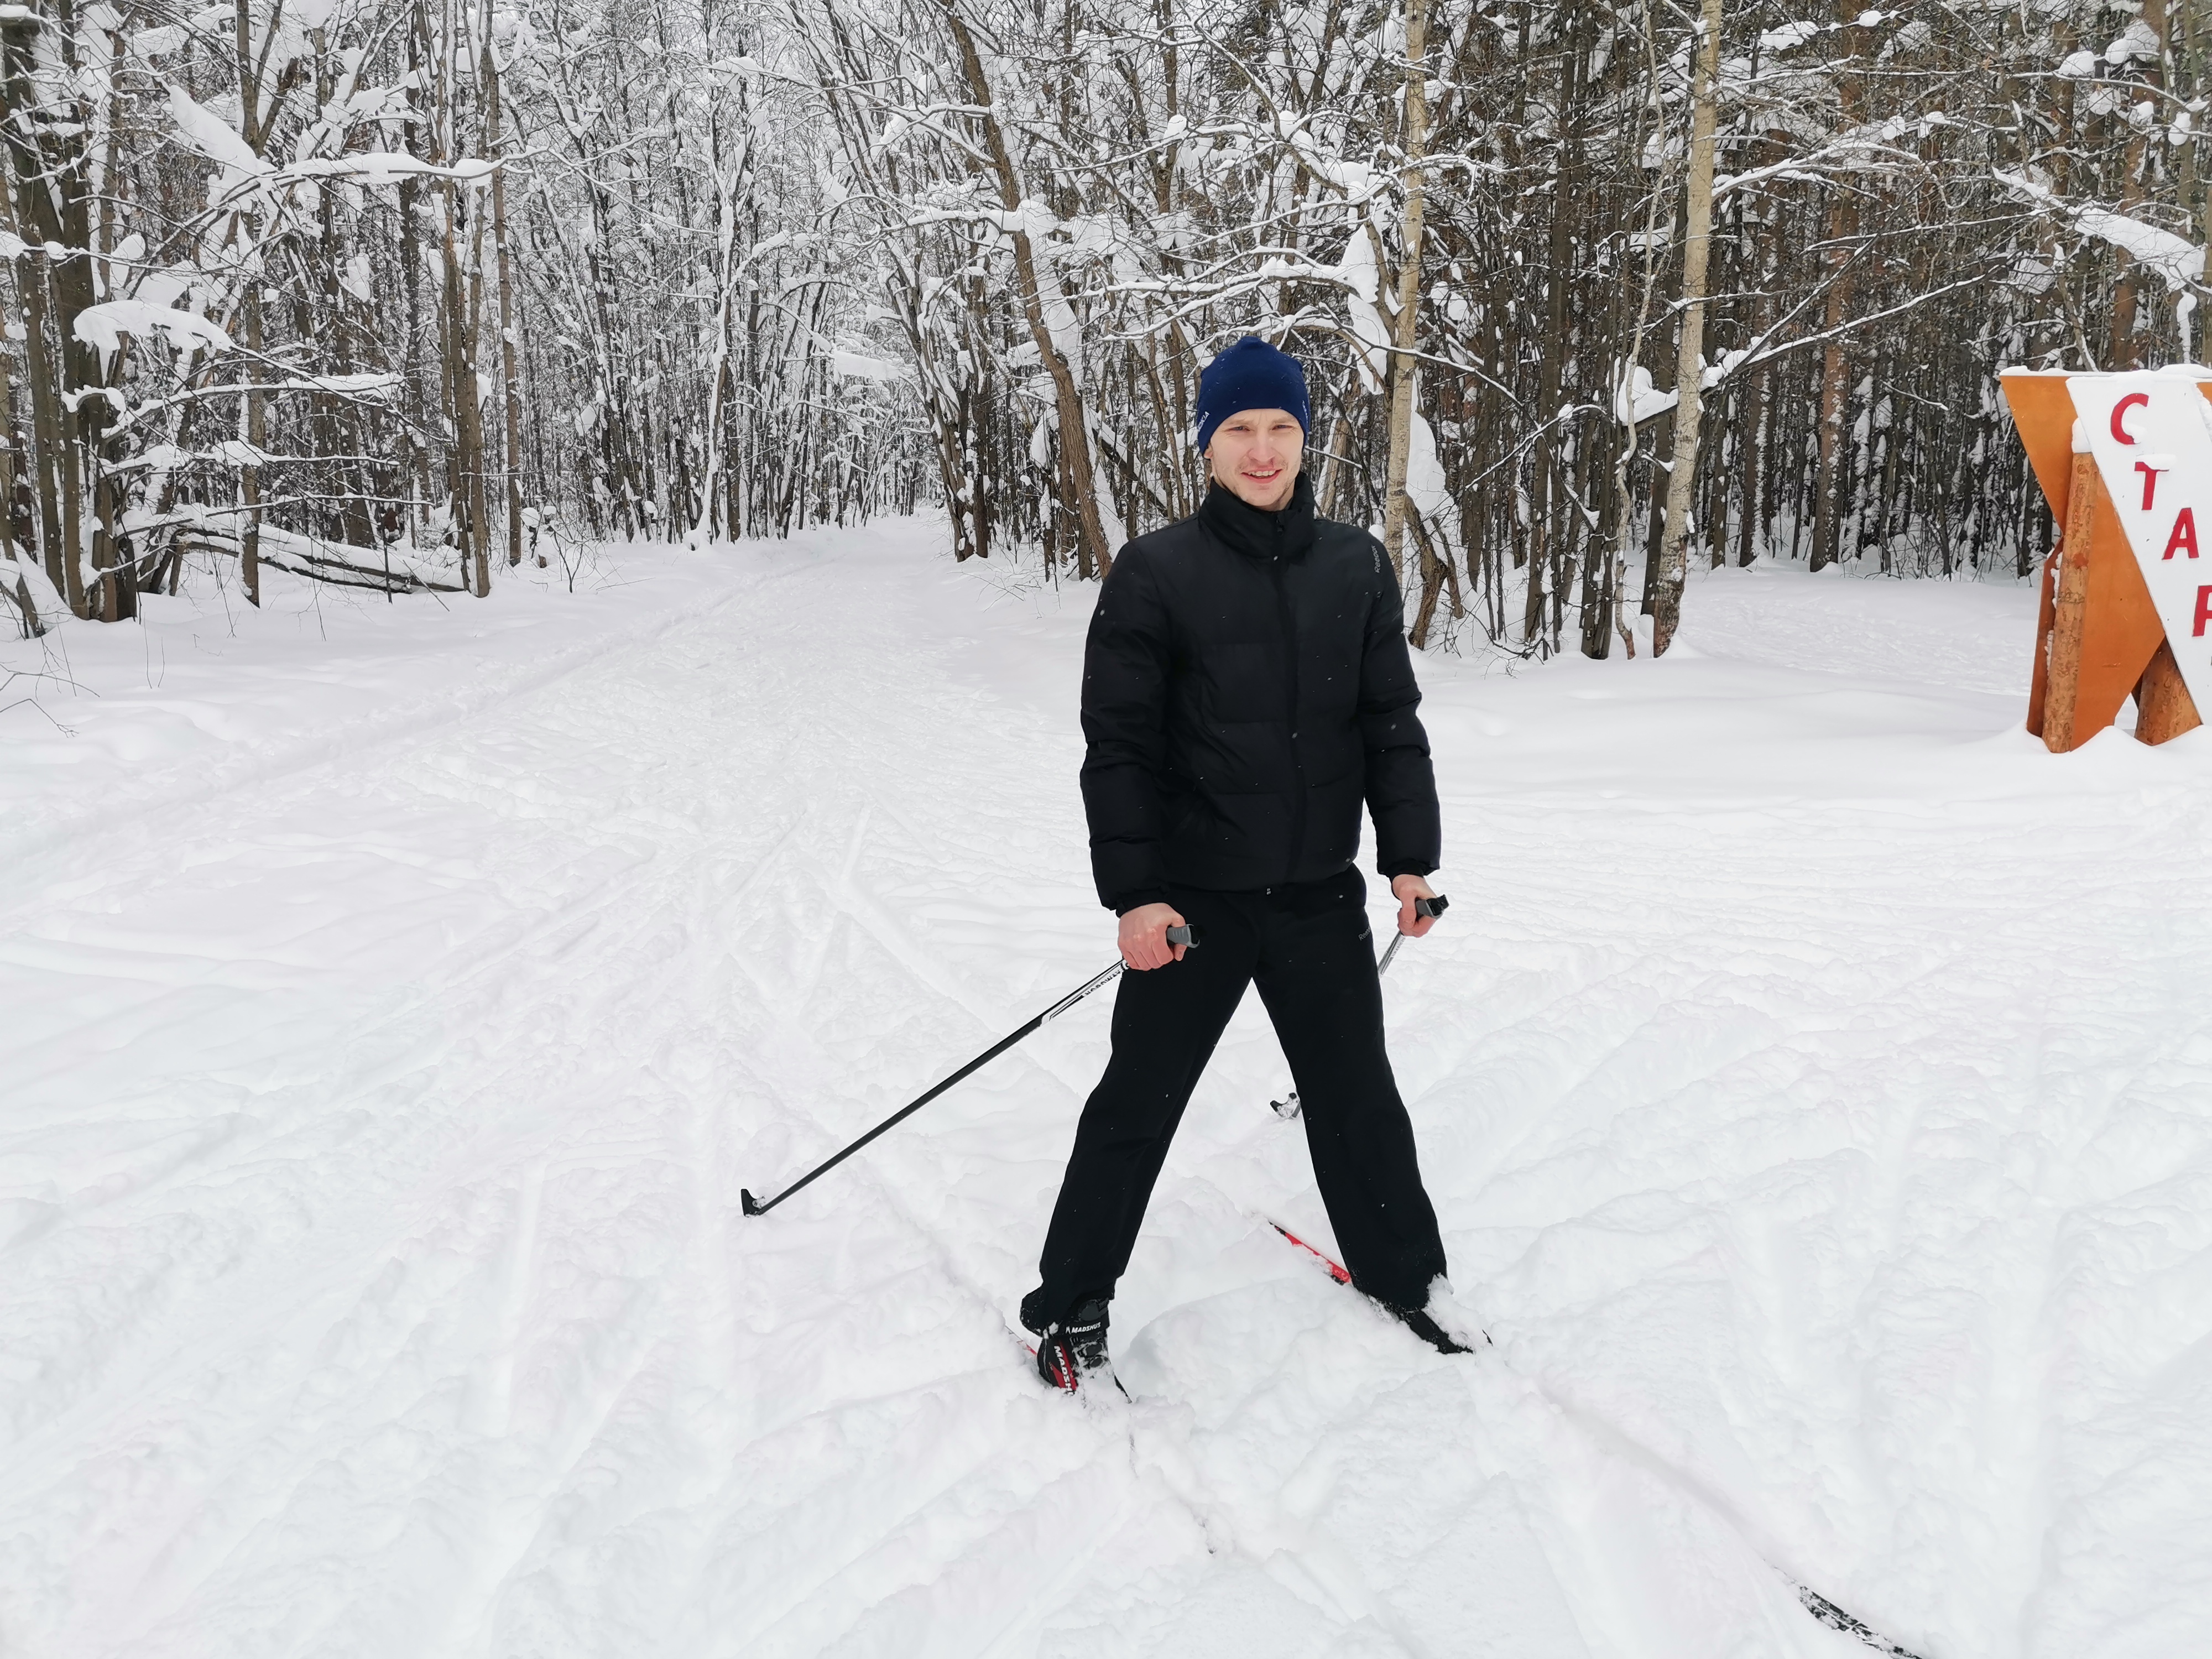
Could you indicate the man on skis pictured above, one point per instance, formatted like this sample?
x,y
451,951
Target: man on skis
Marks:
x,y
1246,685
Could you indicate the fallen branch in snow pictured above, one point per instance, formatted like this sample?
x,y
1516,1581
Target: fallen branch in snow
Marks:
x,y
277,547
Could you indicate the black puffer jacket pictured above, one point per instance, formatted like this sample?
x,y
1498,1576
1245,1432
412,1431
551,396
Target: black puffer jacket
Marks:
x,y
1245,686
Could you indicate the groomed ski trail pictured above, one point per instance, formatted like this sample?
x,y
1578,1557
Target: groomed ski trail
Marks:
x,y
1803,1075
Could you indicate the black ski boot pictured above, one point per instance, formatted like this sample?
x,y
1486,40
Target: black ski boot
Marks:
x,y
1072,1350
1417,1320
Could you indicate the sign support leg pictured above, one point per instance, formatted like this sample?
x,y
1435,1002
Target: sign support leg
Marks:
x,y
2164,708
2063,676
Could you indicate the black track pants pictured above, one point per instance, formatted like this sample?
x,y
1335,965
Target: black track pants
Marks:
x,y
1308,948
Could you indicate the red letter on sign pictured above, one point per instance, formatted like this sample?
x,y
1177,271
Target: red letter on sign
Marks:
x,y
2150,482
2203,609
2185,534
2133,400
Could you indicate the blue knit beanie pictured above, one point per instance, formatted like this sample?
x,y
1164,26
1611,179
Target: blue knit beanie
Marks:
x,y
1250,375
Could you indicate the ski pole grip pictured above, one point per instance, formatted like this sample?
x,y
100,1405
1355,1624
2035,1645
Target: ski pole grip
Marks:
x,y
1431,907
1185,934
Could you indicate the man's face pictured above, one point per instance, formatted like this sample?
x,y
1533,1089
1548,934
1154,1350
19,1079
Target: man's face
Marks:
x,y
1256,454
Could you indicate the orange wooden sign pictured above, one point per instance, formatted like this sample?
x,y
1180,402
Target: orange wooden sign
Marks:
x,y
2099,639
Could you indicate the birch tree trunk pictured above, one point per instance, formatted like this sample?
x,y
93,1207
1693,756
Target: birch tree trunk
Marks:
x,y
1601,615
1078,478
34,624
460,307
251,428
1689,366
510,377
1842,229
463,311
254,430
1405,326
717,500
31,314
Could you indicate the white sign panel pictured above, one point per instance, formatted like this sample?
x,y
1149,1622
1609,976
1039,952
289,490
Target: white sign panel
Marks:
x,y
2152,435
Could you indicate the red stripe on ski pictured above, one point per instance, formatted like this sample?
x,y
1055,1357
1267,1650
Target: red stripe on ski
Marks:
x,y
1336,1269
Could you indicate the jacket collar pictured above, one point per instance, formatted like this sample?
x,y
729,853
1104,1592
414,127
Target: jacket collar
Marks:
x,y
1263,536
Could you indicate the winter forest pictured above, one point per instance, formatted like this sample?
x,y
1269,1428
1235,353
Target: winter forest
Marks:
x,y
403,293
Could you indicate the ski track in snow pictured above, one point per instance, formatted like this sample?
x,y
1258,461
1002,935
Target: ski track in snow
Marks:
x,y
1812,1076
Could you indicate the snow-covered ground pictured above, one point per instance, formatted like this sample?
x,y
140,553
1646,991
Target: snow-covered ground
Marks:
x,y
1814,1076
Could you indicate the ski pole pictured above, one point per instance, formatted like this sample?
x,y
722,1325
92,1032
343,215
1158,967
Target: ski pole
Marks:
x,y
1424,908
1287,1107
1184,936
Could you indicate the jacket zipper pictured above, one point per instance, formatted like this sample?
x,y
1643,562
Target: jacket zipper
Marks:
x,y
1291,707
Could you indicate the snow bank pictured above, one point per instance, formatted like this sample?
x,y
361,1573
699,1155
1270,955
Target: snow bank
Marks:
x,y
1811,1076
